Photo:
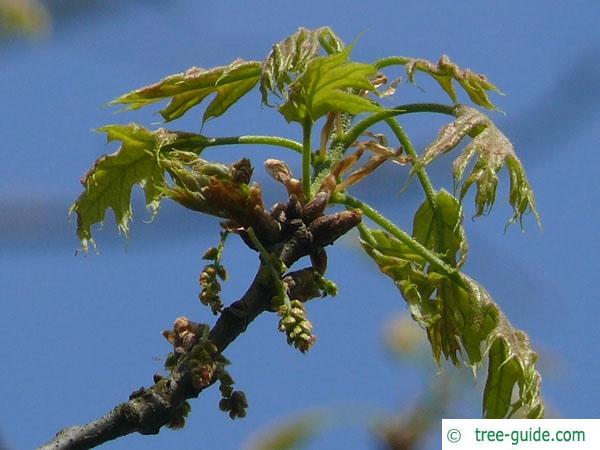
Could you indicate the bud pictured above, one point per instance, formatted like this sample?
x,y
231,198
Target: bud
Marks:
x,y
241,171
221,272
181,324
278,170
211,253
315,207
306,325
326,229
225,404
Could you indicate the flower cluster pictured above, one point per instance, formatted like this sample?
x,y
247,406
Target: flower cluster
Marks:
x,y
232,401
184,335
296,326
206,366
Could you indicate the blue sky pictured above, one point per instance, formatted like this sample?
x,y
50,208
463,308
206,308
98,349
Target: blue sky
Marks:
x,y
81,333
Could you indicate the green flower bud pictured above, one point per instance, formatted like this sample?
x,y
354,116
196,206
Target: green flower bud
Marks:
x,y
297,312
297,304
288,321
306,325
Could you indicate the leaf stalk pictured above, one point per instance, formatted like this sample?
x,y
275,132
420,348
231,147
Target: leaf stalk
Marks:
x,y
276,141
401,235
306,154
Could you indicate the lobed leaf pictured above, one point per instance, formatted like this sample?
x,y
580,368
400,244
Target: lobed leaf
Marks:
x,y
109,182
463,322
512,365
191,87
327,85
445,72
469,121
290,57
494,151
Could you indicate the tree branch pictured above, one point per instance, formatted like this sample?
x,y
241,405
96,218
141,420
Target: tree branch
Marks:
x,y
148,410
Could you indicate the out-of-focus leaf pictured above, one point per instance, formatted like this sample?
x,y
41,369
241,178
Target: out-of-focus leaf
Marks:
x,y
445,71
493,151
328,85
109,183
291,56
191,87
462,321
23,16
291,435
404,338
443,230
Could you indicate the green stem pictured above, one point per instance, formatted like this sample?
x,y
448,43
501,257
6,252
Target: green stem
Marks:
x,y
266,256
221,247
275,267
250,139
306,154
392,61
362,126
401,235
366,234
410,150
422,175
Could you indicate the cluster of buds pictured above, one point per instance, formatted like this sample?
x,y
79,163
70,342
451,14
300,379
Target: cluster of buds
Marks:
x,y
206,366
204,362
185,334
221,190
326,286
209,295
190,338
178,416
208,279
296,326
211,188
235,404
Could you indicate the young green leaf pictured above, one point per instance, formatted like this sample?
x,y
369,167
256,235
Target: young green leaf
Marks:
x,y
494,151
290,57
212,188
191,87
444,229
328,85
468,122
475,85
512,365
463,322
109,183
405,267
